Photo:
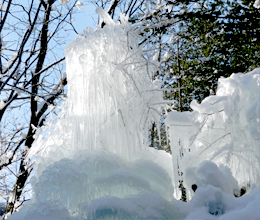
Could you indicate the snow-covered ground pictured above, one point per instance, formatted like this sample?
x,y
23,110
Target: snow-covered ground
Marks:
x,y
95,164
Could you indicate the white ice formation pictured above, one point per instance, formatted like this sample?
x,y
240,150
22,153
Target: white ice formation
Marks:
x,y
95,163
257,4
224,128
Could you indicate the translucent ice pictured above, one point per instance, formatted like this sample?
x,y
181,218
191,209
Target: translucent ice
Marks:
x,y
101,186
95,163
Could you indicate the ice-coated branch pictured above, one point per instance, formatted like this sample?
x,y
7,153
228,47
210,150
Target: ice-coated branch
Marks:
x,y
107,19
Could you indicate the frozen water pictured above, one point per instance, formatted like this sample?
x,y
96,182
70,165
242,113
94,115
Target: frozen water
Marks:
x,y
95,163
224,128
101,186
111,99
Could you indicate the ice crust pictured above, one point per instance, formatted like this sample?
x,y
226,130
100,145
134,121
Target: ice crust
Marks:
x,y
95,163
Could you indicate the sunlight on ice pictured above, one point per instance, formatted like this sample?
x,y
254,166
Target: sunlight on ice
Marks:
x,y
224,129
95,163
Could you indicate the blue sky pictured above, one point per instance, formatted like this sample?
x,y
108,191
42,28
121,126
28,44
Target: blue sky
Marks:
x,y
86,17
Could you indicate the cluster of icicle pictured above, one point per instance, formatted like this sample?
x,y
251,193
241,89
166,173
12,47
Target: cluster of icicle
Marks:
x,y
224,128
111,99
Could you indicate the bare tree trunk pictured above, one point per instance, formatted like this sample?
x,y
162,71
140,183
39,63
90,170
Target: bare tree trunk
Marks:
x,y
179,77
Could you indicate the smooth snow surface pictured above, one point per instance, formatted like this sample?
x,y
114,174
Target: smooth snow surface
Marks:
x,y
95,164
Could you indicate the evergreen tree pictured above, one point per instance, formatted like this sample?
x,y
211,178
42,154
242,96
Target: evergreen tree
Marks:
x,y
218,38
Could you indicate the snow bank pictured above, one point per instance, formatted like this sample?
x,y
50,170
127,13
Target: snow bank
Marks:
x,y
212,203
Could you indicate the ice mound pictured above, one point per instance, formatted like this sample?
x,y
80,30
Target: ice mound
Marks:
x,y
212,203
101,186
213,197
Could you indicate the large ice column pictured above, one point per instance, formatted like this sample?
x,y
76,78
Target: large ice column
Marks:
x,y
109,89
182,130
111,99
95,163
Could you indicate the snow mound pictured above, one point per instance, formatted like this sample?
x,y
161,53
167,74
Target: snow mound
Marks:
x,y
210,202
208,173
